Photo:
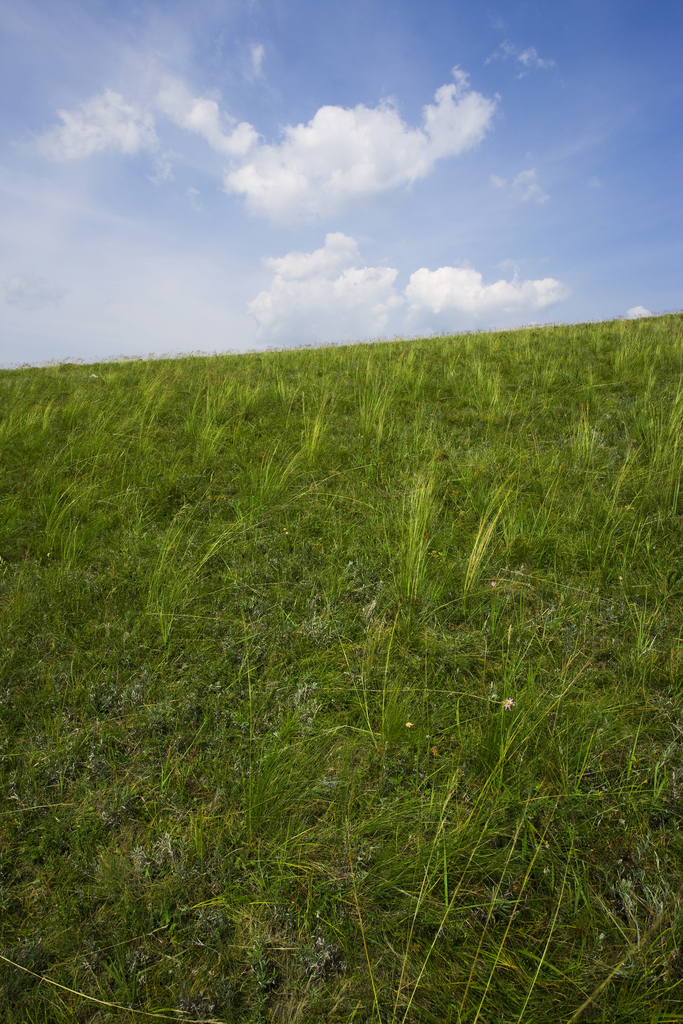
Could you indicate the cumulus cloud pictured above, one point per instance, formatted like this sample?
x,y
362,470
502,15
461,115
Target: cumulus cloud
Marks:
x,y
203,116
524,187
461,290
343,155
30,292
528,58
637,311
109,122
317,169
324,296
102,122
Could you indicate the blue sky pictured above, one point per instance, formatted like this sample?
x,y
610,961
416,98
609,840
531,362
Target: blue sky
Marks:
x,y
214,177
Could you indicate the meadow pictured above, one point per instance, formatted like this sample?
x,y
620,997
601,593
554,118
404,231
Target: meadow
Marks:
x,y
344,684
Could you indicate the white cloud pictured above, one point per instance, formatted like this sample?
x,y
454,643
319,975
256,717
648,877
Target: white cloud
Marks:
x,y
524,187
637,311
192,195
164,168
257,52
529,57
344,155
102,122
324,296
202,115
317,169
460,289
109,122
29,292
497,22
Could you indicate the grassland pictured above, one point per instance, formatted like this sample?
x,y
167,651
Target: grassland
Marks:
x,y
345,684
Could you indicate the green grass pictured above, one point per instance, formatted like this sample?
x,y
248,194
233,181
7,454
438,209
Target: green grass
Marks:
x,y
227,585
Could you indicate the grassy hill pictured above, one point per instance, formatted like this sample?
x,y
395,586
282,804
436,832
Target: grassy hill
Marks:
x,y
345,684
